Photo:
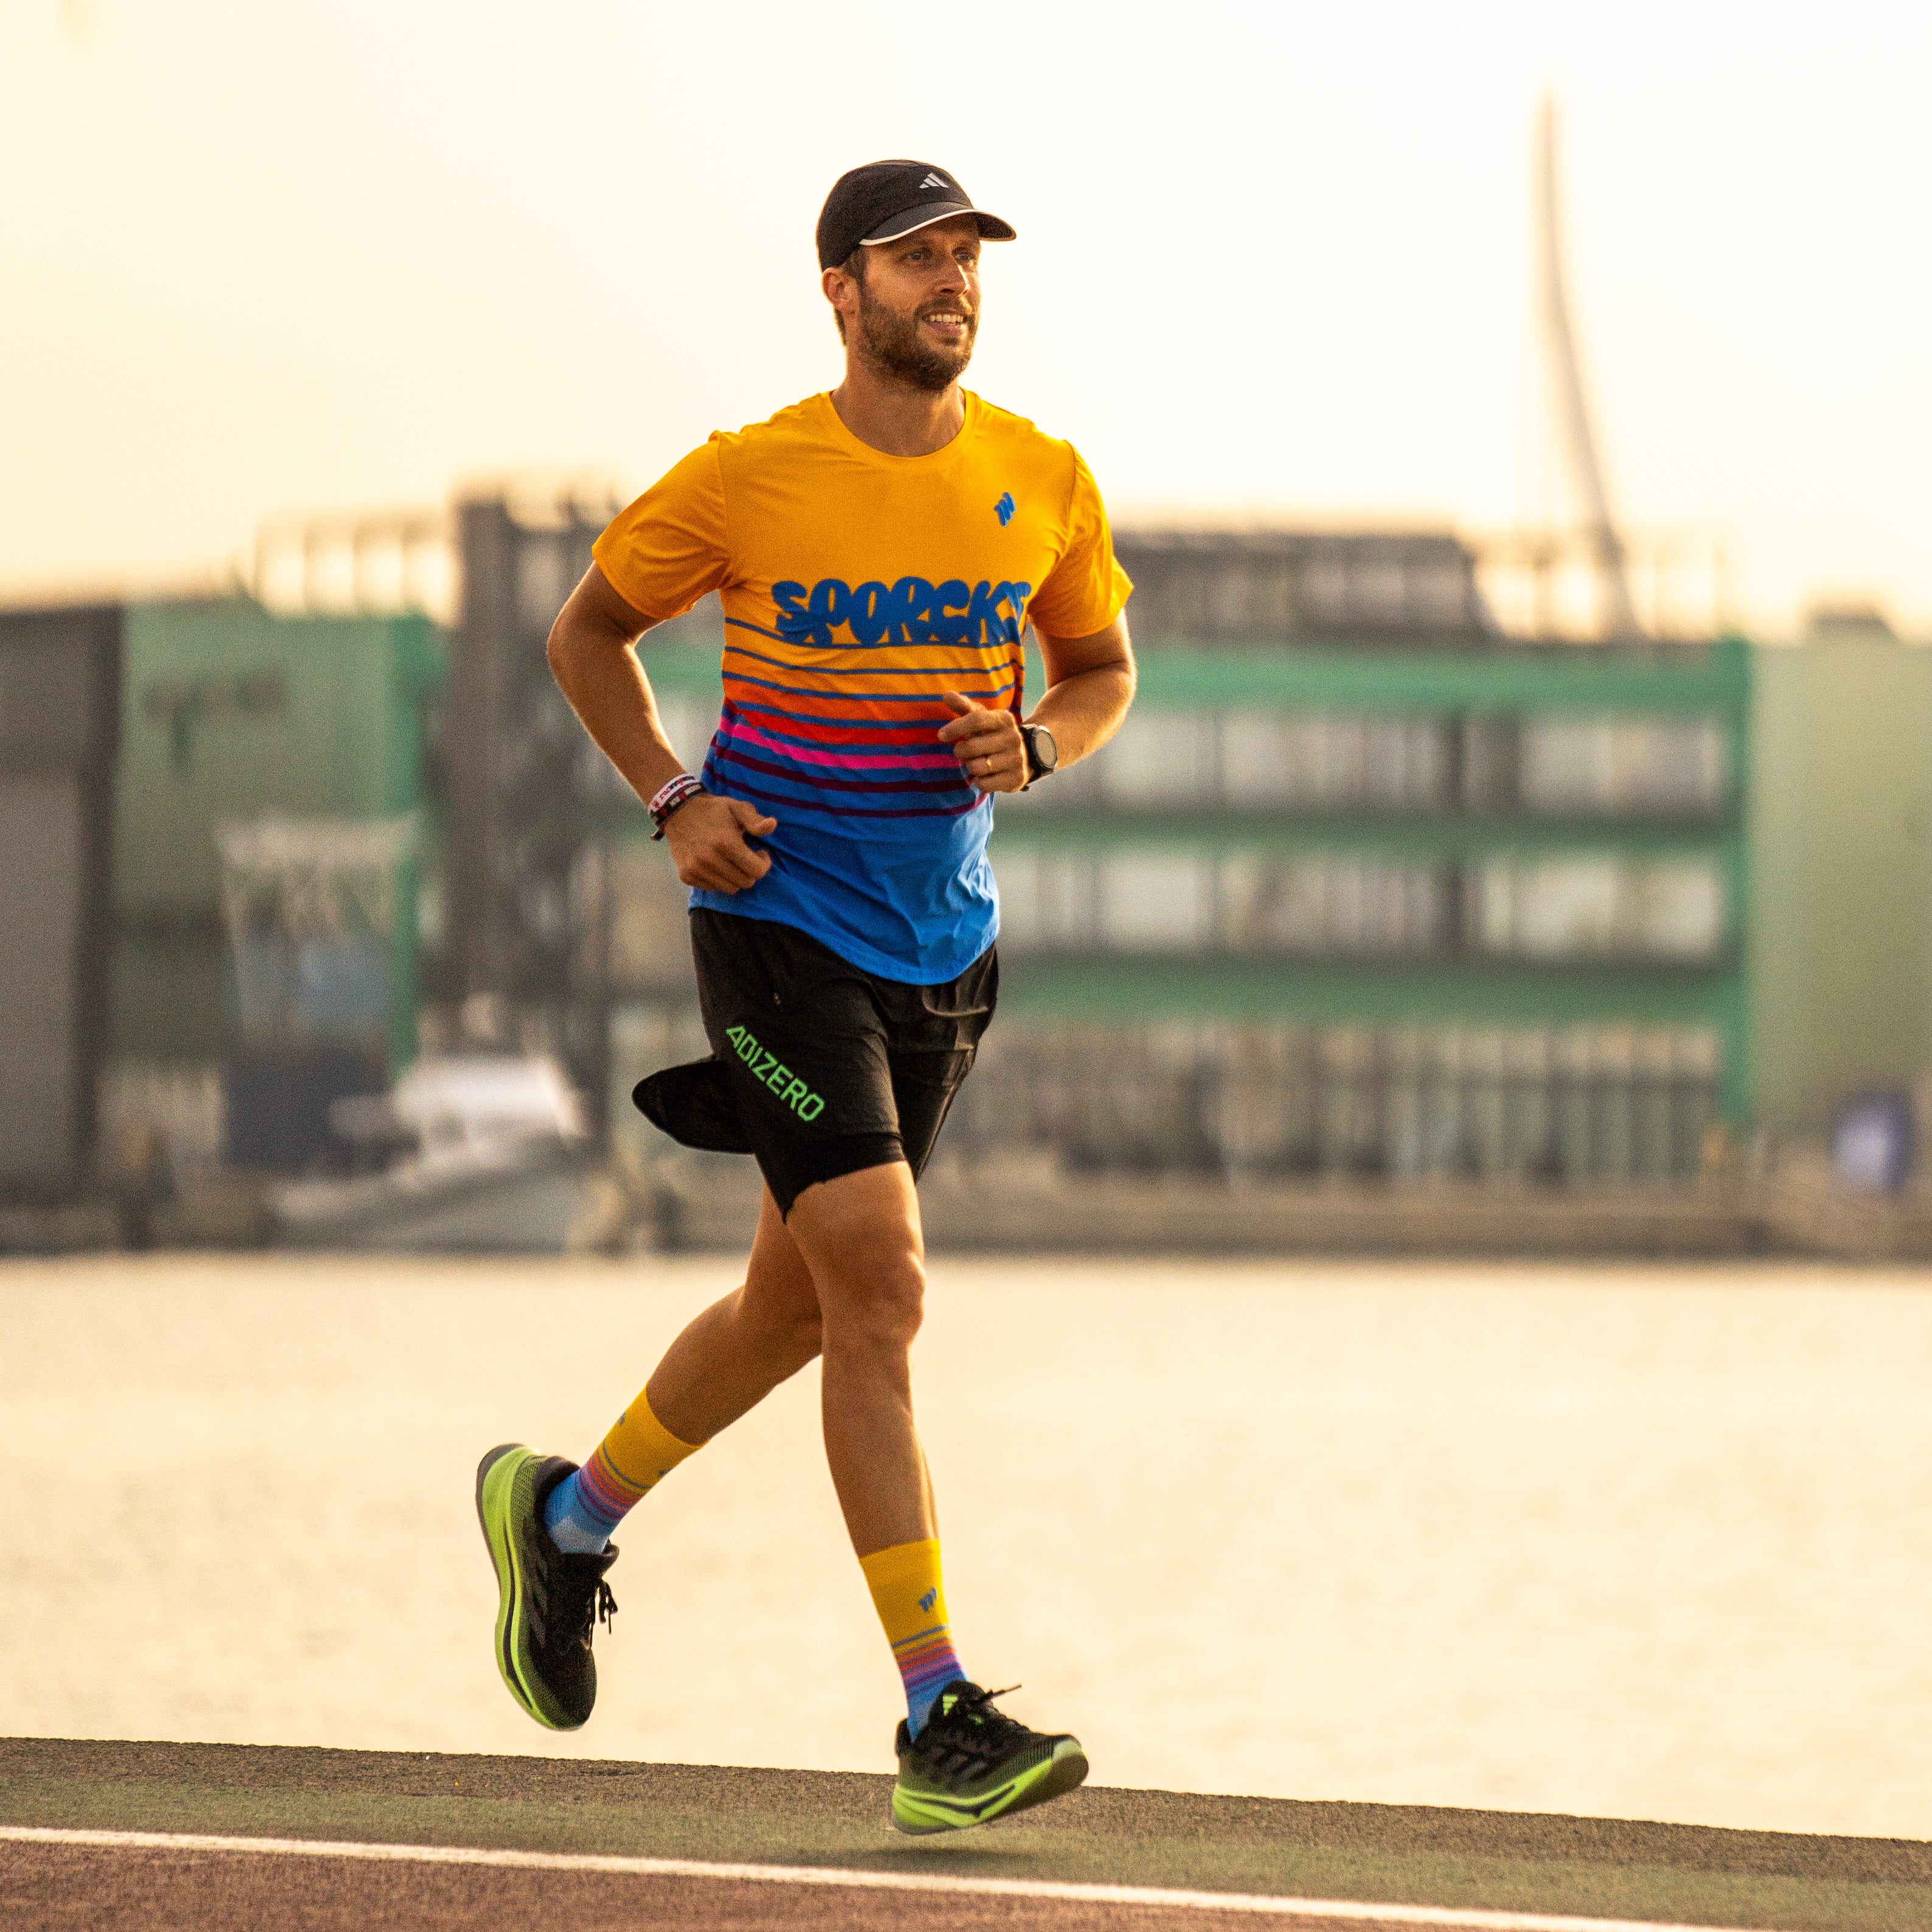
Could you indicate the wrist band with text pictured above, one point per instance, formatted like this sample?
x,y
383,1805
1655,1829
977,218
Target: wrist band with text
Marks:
x,y
679,791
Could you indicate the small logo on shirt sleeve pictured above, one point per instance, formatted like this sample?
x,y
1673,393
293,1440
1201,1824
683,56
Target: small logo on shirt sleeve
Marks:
x,y
1005,509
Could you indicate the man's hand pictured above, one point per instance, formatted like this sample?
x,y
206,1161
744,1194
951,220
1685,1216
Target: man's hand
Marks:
x,y
987,745
707,838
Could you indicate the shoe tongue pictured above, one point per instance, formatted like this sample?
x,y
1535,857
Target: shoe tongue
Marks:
x,y
958,1688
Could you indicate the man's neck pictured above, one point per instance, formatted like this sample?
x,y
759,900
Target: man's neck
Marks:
x,y
894,418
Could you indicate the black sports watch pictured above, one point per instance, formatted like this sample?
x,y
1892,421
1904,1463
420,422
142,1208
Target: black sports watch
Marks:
x,y
1042,755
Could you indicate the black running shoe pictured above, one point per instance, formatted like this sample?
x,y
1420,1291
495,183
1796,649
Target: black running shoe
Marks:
x,y
548,1601
972,1763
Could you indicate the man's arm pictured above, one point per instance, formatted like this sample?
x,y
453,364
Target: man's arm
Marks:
x,y
593,658
1090,683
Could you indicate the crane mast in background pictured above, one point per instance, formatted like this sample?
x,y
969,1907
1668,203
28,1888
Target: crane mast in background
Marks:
x,y
1577,447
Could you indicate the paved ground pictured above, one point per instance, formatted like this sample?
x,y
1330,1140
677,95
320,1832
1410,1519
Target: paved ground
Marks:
x,y
1373,1853
106,1891
1677,1571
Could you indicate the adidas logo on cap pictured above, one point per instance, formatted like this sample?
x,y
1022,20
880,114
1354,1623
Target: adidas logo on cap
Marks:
x,y
933,180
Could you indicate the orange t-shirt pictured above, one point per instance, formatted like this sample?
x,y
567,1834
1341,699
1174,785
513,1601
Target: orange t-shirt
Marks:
x,y
857,587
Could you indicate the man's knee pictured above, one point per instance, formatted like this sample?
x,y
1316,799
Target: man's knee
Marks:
x,y
860,1234
881,1310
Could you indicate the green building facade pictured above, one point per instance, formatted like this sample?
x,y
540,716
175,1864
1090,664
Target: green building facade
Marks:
x,y
1434,904
231,714
1477,909
1456,906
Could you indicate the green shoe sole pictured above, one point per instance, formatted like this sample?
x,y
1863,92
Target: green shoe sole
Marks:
x,y
919,1812
506,1498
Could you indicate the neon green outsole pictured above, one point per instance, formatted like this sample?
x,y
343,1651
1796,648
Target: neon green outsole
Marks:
x,y
504,1496
919,1812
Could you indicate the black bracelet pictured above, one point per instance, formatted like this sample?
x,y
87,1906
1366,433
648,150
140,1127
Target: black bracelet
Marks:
x,y
680,791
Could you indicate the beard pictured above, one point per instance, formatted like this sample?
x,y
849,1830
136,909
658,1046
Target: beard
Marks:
x,y
892,343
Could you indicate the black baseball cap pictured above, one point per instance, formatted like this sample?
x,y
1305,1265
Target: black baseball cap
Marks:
x,y
885,199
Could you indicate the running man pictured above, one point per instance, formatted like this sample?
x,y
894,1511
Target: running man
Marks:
x,y
877,551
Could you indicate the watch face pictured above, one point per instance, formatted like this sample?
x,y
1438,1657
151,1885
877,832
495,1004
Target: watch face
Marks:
x,y
1046,752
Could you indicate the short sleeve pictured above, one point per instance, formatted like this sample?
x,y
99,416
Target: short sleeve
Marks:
x,y
1087,590
668,549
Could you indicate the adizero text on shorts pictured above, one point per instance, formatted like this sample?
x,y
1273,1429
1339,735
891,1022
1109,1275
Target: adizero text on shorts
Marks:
x,y
817,1067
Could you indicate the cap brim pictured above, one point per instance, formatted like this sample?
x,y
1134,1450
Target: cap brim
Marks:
x,y
898,227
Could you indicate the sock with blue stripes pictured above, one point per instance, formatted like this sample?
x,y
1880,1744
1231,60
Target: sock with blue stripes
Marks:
x,y
911,1599
584,1510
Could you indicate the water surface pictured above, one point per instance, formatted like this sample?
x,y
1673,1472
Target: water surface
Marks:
x,y
1630,1541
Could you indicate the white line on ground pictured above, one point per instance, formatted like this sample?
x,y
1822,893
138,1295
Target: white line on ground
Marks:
x,y
878,1881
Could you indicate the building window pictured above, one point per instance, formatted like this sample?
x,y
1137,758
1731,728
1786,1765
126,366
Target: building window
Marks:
x,y
1624,765
1597,908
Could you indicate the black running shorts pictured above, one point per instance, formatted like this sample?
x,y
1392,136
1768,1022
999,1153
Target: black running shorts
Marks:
x,y
817,1067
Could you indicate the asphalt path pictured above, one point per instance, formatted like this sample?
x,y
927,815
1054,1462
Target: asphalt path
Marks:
x,y
43,1888
1453,1863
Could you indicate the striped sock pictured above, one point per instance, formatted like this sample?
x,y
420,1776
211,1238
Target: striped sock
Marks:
x,y
910,1600
585,1508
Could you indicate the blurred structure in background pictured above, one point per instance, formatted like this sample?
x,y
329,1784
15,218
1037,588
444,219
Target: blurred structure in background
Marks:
x,y
1842,912
1464,910
1380,587
322,968
1373,916
1569,411
527,797
294,741
1569,569
60,678
1362,892
1436,893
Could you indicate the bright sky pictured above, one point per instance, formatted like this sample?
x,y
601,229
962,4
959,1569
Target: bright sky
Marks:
x,y
1274,258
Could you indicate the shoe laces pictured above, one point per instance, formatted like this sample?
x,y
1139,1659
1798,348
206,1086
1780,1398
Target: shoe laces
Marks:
x,y
968,1726
581,1604
599,1607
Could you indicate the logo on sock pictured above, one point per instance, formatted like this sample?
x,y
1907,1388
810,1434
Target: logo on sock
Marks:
x,y
926,1602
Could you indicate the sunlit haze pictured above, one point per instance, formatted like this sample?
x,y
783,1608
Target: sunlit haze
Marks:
x,y
1274,260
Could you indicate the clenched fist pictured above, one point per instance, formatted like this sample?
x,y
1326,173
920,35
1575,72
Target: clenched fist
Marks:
x,y
987,745
708,839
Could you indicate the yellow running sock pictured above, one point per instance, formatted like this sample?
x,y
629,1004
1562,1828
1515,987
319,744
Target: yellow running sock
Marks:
x,y
911,1599
623,1469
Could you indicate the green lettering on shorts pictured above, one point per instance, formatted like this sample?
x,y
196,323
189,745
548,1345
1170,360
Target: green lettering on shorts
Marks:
x,y
769,1071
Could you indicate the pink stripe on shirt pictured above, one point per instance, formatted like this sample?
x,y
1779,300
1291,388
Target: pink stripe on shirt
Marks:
x,y
937,759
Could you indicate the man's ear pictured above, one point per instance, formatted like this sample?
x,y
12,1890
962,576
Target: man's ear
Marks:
x,y
841,292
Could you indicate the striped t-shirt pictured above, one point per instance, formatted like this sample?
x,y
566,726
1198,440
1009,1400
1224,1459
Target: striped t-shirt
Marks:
x,y
857,588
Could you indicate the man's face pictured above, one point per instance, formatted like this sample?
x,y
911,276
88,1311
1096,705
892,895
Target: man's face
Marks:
x,y
918,309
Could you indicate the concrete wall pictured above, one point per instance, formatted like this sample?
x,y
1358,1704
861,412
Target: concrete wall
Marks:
x,y
1841,840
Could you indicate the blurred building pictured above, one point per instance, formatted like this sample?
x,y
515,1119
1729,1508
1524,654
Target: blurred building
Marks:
x,y
269,803
530,804
1377,586
1841,898
60,679
1361,888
